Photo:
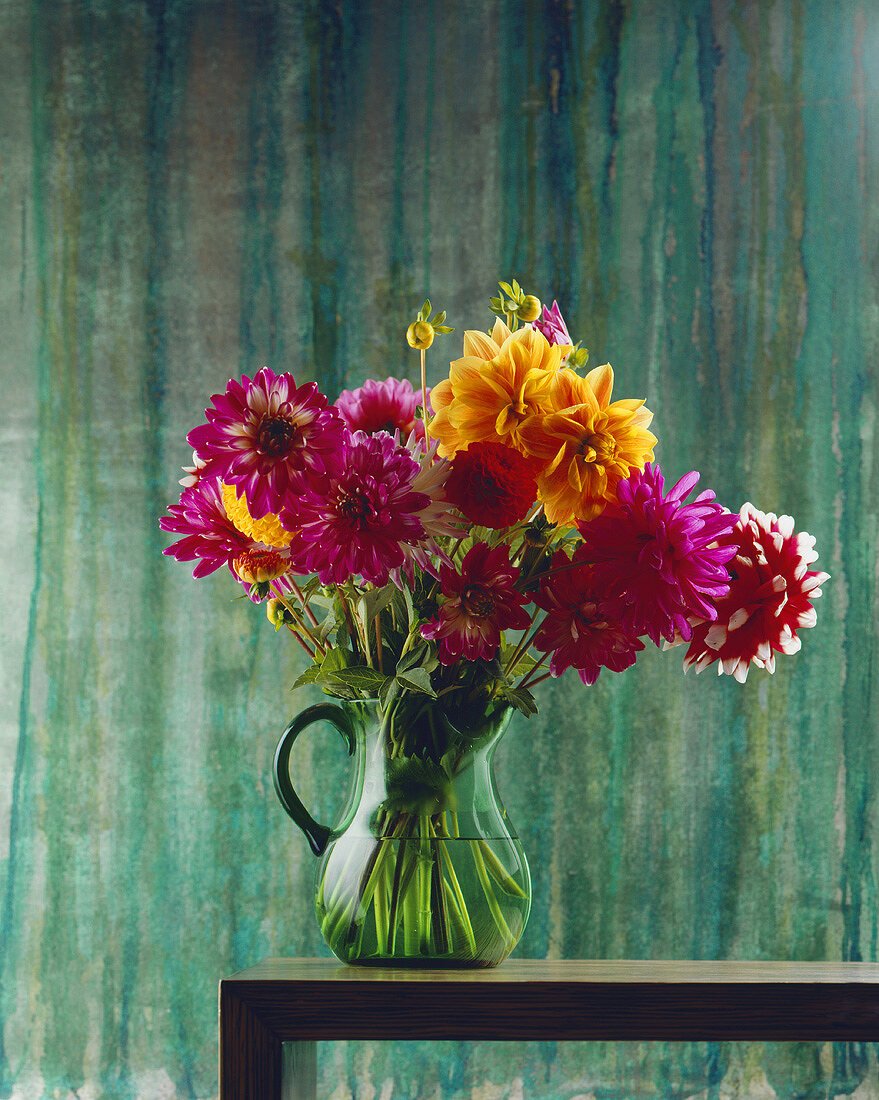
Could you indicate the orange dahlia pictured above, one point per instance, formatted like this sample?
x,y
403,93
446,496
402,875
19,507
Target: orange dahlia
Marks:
x,y
488,397
587,443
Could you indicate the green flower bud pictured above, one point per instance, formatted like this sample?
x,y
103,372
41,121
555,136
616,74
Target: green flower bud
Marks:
x,y
529,308
275,613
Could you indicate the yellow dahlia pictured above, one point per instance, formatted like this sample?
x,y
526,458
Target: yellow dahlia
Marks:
x,y
587,443
502,381
267,530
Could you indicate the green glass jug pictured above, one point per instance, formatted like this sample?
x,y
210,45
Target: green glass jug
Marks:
x,y
424,867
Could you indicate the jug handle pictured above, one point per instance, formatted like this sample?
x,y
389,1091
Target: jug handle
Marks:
x,y
318,835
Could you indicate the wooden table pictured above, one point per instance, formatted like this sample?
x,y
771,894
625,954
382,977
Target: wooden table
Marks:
x,y
273,1014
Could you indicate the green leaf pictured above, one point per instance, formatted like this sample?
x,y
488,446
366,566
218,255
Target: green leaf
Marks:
x,y
421,655
388,692
417,786
425,310
307,677
374,601
416,679
410,608
335,660
507,289
521,699
359,678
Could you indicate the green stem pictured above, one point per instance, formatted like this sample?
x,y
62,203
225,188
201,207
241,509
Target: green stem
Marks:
x,y
459,897
425,868
380,908
438,900
528,680
522,647
456,923
498,871
399,884
493,906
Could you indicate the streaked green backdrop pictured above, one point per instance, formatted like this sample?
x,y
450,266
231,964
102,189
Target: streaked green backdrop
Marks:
x,y
191,190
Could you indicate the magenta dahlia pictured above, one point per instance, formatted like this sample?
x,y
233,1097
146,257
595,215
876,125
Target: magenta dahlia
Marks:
x,y
658,556
770,597
358,521
480,601
553,326
581,629
209,535
387,406
263,434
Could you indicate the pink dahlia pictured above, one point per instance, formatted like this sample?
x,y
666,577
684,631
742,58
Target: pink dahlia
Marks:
x,y
209,535
358,521
481,601
387,406
262,435
552,325
581,629
658,556
770,597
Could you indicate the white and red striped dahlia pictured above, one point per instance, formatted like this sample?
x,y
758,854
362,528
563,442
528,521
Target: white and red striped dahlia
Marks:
x,y
770,597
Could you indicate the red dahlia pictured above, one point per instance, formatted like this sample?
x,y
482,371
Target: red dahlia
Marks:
x,y
493,485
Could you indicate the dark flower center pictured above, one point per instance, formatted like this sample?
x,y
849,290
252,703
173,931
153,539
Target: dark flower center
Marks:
x,y
353,505
477,602
276,436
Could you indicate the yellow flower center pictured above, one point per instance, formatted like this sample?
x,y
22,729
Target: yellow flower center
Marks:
x,y
598,448
267,530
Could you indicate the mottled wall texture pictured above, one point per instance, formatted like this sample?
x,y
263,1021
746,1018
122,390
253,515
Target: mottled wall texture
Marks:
x,y
191,190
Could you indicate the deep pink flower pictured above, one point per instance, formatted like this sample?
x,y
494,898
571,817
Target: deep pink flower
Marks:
x,y
209,535
481,601
581,629
262,435
770,597
552,325
358,521
657,556
387,406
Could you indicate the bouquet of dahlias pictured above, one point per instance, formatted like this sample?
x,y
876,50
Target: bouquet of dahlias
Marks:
x,y
452,548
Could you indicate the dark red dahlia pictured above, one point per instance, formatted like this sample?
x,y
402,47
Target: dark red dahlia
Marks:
x,y
480,601
492,485
581,628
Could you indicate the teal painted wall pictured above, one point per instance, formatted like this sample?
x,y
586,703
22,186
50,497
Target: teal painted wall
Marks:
x,y
189,191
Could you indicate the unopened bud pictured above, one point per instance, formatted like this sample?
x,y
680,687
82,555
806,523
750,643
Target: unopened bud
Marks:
x,y
259,566
529,308
419,335
275,613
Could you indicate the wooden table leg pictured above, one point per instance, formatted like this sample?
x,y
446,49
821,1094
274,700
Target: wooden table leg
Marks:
x,y
299,1071
250,1053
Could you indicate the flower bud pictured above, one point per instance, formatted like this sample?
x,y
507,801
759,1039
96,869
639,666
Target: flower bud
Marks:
x,y
259,566
275,613
419,335
529,308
